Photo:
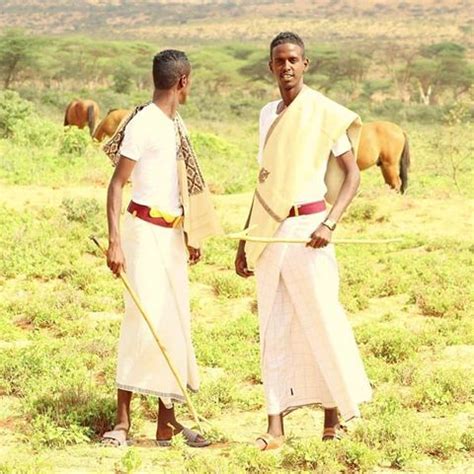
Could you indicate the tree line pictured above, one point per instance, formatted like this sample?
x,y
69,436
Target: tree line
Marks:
x,y
428,74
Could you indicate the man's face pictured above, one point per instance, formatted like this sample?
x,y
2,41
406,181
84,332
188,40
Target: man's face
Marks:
x,y
288,65
185,87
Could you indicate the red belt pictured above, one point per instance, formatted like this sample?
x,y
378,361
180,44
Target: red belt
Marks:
x,y
143,212
308,208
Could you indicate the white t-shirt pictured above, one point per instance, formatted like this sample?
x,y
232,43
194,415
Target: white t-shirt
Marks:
x,y
315,188
150,140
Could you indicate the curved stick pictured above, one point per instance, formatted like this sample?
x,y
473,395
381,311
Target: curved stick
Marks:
x,y
163,350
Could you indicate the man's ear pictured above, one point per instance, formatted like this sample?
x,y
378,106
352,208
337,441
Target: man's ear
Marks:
x,y
183,81
306,64
270,66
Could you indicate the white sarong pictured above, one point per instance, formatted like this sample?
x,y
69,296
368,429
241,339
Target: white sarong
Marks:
x,y
156,265
308,351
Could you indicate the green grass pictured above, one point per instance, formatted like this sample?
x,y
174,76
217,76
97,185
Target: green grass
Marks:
x,y
410,303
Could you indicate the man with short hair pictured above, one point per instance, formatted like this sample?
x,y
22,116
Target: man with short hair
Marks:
x,y
306,156
168,216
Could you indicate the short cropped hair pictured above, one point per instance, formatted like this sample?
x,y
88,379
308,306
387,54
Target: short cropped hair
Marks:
x,y
168,66
286,37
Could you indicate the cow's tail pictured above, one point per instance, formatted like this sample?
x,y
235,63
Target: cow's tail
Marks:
x,y
65,115
91,118
404,165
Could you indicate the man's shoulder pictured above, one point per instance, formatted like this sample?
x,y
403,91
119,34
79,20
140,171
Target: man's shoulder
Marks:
x,y
330,105
321,98
269,107
144,118
143,113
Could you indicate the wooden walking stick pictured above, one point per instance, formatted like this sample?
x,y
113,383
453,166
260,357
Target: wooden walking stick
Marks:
x,y
243,235
163,350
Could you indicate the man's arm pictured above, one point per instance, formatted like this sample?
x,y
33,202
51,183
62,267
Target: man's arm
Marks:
x,y
240,259
322,235
115,257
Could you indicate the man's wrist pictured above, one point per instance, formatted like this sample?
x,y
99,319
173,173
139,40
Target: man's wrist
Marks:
x,y
329,223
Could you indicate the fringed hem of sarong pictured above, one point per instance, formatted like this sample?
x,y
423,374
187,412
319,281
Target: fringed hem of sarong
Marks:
x,y
144,391
318,404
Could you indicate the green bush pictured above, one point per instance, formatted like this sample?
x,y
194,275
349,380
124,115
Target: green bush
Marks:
x,y
123,79
311,455
392,344
234,347
14,109
443,442
41,132
393,433
45,433
229,285
248,459
130,462
75,141
439,386
361,211
84,210
226,167
357,457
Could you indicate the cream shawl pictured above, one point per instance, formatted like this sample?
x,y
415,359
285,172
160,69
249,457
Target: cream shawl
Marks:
x,y
200,218
297,144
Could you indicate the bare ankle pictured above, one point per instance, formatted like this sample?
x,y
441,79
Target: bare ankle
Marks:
x,y
122,426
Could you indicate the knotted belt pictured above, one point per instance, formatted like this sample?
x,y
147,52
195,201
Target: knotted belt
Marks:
x,y
308,208
154,216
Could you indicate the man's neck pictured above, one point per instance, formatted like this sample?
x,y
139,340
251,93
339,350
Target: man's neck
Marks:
x,y
289,95
167,101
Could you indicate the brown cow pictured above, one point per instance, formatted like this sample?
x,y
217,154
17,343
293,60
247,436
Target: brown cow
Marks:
x,y
81,113
386,145
110,123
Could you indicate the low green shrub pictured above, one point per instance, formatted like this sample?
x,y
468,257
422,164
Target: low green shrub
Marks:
x,y
75,141
390,343
83,210
229,285
442,386
311,455
130,462
234,347
248,459
14,109
45,433
43,133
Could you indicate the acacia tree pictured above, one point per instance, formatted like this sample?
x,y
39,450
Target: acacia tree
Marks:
x,y
397,62
17,55
440,67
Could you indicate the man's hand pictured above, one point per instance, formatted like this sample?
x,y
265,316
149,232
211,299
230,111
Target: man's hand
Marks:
x,y
194,255
320,237
115,259
241,263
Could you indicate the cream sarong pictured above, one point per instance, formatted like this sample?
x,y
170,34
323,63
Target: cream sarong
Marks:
x,y
308,352
157,269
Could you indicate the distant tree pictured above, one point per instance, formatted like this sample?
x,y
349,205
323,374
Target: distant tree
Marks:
x,y
440,67
330,65
396,61
123,79
353,66
424,71
17,55
257,69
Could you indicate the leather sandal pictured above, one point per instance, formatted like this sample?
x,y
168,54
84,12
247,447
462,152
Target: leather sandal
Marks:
x,y
269,442
191,438
116,438
334,433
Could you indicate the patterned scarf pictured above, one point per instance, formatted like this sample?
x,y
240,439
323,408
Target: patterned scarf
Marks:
x,y
200,219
